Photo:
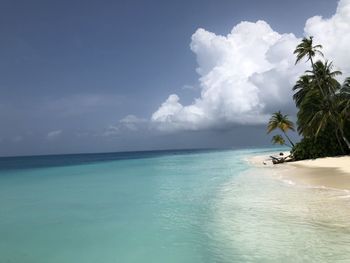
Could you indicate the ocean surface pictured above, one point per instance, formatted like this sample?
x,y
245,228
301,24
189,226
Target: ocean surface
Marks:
x,y
167,206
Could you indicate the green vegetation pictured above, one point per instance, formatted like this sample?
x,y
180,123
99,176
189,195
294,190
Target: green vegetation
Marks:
x,y
323,118
280,121
278,139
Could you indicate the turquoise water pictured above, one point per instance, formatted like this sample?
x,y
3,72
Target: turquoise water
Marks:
x,y
165,207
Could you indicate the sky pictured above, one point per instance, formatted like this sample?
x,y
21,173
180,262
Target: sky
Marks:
x,y
105,76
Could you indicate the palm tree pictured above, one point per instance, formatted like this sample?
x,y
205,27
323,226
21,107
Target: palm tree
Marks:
x,y
301,88
344,102
316,112
323,105
323,75
278,139
344,108
280,121
324,115
306,49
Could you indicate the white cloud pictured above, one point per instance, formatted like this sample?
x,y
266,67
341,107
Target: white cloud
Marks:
x,y
249,73
53,134
128,123
334,34
132,122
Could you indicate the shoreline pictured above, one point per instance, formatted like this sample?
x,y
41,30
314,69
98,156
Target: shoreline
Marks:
x,y
329,172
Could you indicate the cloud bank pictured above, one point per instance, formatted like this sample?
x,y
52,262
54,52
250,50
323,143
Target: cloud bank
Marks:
x,y
248,74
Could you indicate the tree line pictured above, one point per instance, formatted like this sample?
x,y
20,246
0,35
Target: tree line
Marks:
x,y
323,117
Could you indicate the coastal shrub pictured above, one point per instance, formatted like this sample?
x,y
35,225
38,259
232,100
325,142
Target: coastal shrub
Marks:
x,y
325,145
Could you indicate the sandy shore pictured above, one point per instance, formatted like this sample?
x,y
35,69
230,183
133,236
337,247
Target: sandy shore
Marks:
x,y
327,172
331,172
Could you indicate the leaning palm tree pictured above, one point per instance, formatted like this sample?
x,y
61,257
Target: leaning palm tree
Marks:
x,y
280,121
278,139
306,49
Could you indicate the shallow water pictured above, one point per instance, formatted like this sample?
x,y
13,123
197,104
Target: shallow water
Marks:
x,y
169,207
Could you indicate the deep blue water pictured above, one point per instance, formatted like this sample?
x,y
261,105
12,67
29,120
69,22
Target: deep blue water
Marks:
x,y
42,161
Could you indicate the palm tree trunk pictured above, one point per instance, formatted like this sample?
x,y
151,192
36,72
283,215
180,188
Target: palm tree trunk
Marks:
x,y
345,139
317,80
290,141
339,142
312,63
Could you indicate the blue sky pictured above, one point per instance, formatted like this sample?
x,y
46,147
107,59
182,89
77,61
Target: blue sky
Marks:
x,y
71,70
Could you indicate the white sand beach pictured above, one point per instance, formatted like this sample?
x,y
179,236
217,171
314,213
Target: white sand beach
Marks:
x,y
330,172
342,163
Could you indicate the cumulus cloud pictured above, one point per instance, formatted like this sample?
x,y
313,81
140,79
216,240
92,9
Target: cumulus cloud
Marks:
x,y
53,134
334,34
247,74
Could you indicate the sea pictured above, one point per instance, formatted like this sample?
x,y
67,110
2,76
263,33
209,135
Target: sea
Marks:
x,y
165,207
